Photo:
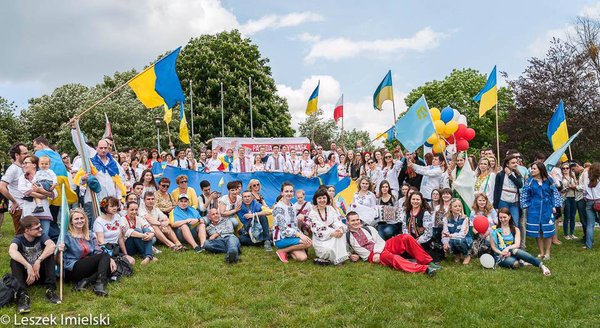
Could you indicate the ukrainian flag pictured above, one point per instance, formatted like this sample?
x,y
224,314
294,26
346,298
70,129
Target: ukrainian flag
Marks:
x,y
184,134
557,131
62,176
388,135
312,107
488,96
384,91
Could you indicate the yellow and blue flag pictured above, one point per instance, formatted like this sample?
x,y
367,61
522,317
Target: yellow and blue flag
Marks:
x,y
557,131
184,133
313,101
488,96
159,84
388,135
62,176
384,91
414,127
168,115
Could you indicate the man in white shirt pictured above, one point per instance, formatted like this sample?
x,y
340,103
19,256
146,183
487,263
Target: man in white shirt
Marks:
x,y
213,163
432,175
275,163
159,221
366,244
9,185
242,163
332,151
181,161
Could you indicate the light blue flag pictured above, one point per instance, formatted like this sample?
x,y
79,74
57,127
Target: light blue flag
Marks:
x,y
553,159
63,219
414,127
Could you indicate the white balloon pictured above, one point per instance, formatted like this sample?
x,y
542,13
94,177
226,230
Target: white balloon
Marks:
x,y
462,120
456,115
487,261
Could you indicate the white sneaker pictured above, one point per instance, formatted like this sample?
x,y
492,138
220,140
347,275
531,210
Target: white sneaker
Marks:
x,y
568,237
156,250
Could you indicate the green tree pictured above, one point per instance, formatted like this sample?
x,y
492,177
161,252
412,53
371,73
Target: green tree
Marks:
x,y
319,130
227,58
351,137
11,129
457,90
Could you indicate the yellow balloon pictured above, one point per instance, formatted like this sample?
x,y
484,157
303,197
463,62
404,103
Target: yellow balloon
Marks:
x,y
439,147
439,126
435,113
451,127
433,139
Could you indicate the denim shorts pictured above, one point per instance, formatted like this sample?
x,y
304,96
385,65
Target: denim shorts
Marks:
x,y
287,242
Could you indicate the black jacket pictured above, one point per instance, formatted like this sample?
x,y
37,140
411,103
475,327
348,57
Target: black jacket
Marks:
x,y
500,181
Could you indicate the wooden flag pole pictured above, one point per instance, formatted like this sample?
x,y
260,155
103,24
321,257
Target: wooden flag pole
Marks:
x,y
61,274
497,135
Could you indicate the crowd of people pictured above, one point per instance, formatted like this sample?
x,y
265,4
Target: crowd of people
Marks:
x,y
405,213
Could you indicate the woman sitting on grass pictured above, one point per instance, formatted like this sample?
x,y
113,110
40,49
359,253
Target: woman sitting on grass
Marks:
x,y
139,235
108,228
328,231
482,206
286,235
84,264
506,241
455,234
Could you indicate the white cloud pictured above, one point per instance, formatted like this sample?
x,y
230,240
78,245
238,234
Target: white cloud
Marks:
x,y
339,48
591,11
278,21
358,113
541,44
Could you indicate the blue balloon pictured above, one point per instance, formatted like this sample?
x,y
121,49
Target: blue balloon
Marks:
x,y
447,114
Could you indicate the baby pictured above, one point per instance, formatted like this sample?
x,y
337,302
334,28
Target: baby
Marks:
x,y
45,178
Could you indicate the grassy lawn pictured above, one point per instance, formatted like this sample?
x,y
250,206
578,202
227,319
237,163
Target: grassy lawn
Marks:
x,y
199,290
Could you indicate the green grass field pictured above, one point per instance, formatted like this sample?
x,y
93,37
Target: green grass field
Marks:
x,y
199,290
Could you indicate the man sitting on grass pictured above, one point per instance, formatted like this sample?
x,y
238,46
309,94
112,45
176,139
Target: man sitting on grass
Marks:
x,y
32,261
249,209
366,244
221,236
186,222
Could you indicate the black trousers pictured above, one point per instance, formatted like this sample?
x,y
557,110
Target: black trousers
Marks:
x,y
47,274
93,268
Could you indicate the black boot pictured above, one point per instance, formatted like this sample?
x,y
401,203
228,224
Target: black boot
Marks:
x,y
23,302
82,285
99,286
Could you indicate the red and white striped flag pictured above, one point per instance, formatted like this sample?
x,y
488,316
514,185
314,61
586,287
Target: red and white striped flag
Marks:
x,y
108,129
338,112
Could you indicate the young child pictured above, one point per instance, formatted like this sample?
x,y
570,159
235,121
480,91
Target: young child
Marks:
x,y
302,208
45,178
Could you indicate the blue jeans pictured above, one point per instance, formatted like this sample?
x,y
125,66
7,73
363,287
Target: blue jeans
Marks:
x,y
45,226
519,254
513,208
582,215
569,216
227,244
245,236
459,246
590,218
138,246
88,209
387,231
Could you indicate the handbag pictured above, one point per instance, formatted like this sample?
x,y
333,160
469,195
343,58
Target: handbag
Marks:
x,y
596,205
255,229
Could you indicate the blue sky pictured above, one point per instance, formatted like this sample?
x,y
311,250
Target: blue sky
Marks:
x,y
347,45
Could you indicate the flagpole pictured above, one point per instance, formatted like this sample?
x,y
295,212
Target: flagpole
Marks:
x,y
570,153
60,280
78,116
394,108
251,120
497,134
192,110
169,134
222,114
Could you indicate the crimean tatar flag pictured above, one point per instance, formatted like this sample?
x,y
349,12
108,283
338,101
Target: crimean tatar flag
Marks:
x,y
414,127
488,96
384,91
313,101
338,111
557,131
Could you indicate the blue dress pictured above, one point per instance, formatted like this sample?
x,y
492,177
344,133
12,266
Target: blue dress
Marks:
x,y
539,201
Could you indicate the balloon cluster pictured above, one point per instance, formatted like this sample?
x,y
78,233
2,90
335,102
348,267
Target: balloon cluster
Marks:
x,y
450,128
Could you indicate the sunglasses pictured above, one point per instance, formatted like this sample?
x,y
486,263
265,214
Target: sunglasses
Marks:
x,y
164,185
36,228
388,157
27,162
183,181
370,163
565,168
255,185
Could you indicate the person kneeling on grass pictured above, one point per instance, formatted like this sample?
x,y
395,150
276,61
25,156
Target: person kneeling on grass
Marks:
x,y
506,240
32,261
286,235
186,221
221,236
160,222
455,234
249,209
364,242
139,235
84,263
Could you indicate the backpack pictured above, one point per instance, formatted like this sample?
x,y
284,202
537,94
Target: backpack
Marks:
x,y
124,268
8,289
364,227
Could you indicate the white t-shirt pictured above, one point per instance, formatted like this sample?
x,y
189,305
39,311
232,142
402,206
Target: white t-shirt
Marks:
x,y
182,163
225,200
41,175
111,229
11,177
213,164
306,167
292,166
305,211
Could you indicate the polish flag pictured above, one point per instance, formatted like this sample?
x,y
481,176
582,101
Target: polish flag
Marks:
x,y
339,109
